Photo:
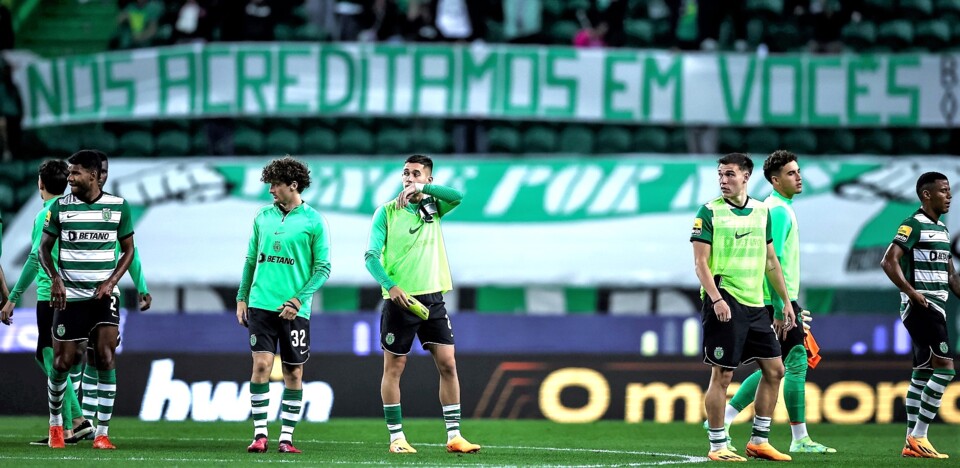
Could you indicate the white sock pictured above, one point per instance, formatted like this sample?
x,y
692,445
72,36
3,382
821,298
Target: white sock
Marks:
x,y
102,430
730,414
396,435
799,430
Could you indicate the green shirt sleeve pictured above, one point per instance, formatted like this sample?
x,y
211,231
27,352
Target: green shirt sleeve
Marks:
x,y
321,262
907,234
136,273
448,198
378,237
51,224
778,225
703,226
250,265
32,266
125,229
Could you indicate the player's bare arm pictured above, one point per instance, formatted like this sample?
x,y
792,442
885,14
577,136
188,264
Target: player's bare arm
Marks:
x,y
58,293
701,256
953,280
891,266
774,275
105,289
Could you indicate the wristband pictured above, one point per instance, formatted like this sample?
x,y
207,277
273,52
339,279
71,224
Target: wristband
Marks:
x,y
716,301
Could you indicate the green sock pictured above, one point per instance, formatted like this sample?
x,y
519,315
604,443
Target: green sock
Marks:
x,y
259,400
91,399
394,419
918,380
930,400
747,391
793,384
106,393
76,374
451,417
290,405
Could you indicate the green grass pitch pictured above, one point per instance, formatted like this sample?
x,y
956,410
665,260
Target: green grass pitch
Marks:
x,y
363,442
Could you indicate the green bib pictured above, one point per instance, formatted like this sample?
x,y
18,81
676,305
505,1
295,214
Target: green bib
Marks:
x,y
414,254
739,249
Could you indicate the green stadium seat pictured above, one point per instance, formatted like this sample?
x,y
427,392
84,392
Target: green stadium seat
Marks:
x,y
947,9
800,141
784,36
200,142
319,140
25,192
912,141
761,141
875,141
539,139
495,32
284,32
944,142
577,139
100,139
60,141
504,139
677,140
767,8
136,143
756,30
8,197
355,139
730,140
174,143
554,8
562,32
434,140
640,33
896,34
837,141
916,9
393,141
613,140
651,140
248,141
310,33
281,141
933,34
859,35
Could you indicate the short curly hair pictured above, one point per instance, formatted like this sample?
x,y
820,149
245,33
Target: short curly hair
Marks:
x,y
286,170
775,162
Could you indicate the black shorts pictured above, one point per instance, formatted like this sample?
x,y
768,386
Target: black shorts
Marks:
x,y
268,331
928,330
44,327
746,337
398,326
795,336
80,318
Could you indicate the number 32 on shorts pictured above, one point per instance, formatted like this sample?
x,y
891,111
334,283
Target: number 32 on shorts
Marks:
x,y
298,338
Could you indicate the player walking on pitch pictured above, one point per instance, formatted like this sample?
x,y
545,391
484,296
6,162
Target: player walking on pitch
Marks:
x,y
288,260
919,263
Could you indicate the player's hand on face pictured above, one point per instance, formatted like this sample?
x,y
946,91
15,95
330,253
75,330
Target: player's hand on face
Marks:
x,y
6,313
399,297
145,301
58,294
722,309
404,198
289,309
242,313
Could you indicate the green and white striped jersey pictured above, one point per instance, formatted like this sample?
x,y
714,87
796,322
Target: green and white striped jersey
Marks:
x,y
89,234
926,260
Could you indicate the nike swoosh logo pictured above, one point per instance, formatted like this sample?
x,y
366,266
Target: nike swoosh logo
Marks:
x,y
930,235
304,352
72,215
739,236
414,231
278,233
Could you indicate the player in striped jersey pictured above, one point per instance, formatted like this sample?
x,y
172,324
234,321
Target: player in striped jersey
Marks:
x,y
919,262
86,225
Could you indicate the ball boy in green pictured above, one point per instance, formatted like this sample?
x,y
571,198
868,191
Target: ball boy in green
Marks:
x,y
407,257
782,170
288,260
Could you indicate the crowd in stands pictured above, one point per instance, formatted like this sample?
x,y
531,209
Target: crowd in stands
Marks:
x,y
775,25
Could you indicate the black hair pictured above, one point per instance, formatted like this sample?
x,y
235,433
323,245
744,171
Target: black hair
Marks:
x,y
421,159
740,159
926,180
53,174
287,170
87,159
775,162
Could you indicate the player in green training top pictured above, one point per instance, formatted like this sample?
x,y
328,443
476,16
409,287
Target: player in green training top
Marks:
x,y
288,260
85,227
919,263
782,170
733,253
4,291
407,257
51,183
